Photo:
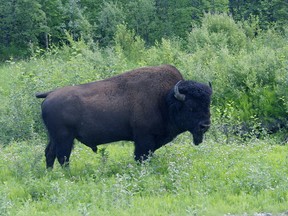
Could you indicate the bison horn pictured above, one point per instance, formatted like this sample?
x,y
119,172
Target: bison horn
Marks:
x,y
177,94
210,84
205,125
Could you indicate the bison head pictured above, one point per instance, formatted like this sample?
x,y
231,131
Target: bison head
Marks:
x,y
189,108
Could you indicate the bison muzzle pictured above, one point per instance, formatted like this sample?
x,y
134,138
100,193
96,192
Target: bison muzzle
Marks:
x,y
149,105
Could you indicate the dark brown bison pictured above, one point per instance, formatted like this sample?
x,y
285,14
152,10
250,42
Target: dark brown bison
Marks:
x,y
149,105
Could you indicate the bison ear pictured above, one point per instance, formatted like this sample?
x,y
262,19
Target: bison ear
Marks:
x,y
177,94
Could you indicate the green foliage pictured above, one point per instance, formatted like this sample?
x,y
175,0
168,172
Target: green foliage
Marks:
x,y
269,12
30,24
110,16
217,31
249,72
128,44
21,23
164,52
141,18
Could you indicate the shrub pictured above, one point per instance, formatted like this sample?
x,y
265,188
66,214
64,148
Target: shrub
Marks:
x,y
218,31
248,72
129,44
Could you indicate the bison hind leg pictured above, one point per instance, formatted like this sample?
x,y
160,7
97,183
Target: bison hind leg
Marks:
x,y
64,151
61,143
50,154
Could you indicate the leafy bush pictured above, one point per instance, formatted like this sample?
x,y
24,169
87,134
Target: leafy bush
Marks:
x,y
248,72
128,44
218,31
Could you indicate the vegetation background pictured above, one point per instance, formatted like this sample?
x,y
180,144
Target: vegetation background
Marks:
x,y
240,46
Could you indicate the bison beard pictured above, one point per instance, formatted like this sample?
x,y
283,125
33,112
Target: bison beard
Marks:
x,y
149,106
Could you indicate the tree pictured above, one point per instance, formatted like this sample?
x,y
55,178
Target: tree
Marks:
x,y
55,22
76,23
269,12
110,16
6,20
200,7
141,18
22,22
176,18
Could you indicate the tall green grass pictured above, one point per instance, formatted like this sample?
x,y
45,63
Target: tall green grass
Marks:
x,y
5,82
211,179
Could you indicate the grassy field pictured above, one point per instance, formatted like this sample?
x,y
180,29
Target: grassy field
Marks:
x,y
211,179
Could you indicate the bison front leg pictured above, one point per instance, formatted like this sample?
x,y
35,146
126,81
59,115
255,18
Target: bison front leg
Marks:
x,y
144,147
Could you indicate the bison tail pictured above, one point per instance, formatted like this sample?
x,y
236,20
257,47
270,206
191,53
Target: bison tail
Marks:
x,y
42,95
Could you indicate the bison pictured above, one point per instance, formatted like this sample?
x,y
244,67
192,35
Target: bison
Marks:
x,y
149,105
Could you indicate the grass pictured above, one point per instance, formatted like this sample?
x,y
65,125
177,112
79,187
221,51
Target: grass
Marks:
x,y
5,82
211,179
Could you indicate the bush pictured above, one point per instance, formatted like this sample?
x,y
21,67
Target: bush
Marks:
x,y
218,31
127,43
247,72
